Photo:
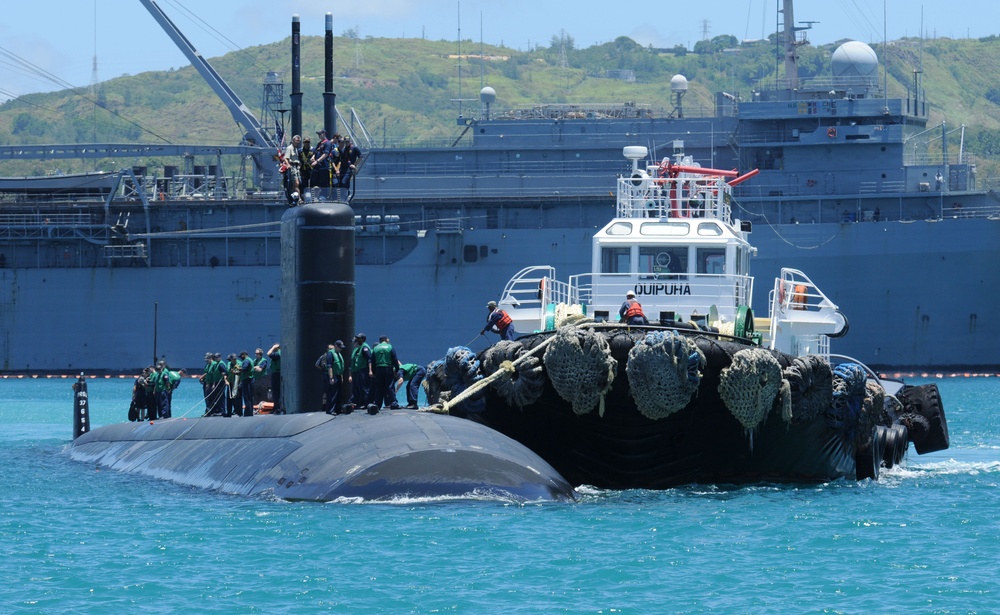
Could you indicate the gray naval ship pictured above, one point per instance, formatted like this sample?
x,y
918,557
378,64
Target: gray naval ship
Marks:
x,y
106,271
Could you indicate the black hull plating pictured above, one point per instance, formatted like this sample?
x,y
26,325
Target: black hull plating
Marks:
x,y
316,457
701,443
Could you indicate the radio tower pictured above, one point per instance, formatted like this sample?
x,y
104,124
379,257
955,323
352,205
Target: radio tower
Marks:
x,y
705,29
96,91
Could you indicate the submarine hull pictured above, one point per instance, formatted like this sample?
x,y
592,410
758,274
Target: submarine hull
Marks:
x,y
317,457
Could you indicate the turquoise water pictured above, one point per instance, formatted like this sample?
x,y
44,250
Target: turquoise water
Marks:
x,y
78,539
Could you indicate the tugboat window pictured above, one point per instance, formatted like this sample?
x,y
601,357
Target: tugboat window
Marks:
x,y
663,259
616,260
665,229
709,229
711,260
620,228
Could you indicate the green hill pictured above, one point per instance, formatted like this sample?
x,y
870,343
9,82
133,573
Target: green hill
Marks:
x,y
406,90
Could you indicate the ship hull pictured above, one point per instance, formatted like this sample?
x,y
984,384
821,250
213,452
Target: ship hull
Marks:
x,y
918,294
620,407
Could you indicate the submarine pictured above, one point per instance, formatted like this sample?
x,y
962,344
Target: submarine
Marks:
x,y
308,455
317,457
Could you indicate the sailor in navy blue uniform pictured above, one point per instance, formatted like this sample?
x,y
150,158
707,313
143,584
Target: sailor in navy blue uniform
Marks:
x,y
631,311
499,322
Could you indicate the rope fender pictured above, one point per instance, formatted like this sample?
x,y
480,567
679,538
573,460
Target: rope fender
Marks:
x,y
580,367
810,383
848,395
522,382
750,385
664,370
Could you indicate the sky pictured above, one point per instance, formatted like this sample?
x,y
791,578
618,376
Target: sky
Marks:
x,y
62,38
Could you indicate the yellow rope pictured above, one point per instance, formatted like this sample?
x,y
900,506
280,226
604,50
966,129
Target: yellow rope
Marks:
x,y
507,369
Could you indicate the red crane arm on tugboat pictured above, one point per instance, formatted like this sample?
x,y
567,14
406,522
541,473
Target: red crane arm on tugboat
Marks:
x,y
669,169
744,177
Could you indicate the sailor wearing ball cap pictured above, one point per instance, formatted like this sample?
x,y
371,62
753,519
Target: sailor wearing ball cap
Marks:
x,y
323,154
499,322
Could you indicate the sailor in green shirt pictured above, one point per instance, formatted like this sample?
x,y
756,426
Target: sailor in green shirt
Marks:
x,y
412,374
361,371
211,380
386,365
332,364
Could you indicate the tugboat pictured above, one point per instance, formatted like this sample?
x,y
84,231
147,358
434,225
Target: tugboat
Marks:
x,y
652,370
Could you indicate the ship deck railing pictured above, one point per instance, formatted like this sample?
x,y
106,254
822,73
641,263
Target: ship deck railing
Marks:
x,y
125,251
687,295
677,197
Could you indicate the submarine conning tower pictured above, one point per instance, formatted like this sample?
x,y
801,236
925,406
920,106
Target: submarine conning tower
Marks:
x,y
317,296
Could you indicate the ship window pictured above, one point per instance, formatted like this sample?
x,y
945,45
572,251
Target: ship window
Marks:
x,y
471,254
711,260
616,260
620,228
709,229
665,229
663,259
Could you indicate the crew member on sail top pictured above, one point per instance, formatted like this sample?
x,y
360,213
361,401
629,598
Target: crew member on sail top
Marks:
x,y
631,312
350,155
290,164
305,166
499,322
320,161
386,364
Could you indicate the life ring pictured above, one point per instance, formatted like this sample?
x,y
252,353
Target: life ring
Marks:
x,y
831,132
541,289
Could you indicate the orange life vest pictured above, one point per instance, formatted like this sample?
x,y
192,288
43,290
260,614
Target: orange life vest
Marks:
x,y
504,320
634,309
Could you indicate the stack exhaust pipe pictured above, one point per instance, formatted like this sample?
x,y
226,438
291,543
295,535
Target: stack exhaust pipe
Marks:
x,y
296,78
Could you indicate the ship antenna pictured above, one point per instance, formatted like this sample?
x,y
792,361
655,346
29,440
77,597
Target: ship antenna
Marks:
x,y
885,51
459,59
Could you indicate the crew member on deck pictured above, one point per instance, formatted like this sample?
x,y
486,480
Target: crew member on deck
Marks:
x,y
386,365
218,398
246,383
274,354
631,312
412,374
499,322
332,363
361,371
211,381
233,376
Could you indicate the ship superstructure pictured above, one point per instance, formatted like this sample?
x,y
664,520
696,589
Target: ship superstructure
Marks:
x,y
189,255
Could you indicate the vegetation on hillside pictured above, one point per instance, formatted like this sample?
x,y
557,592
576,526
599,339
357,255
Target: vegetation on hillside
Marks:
x,y
408,90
